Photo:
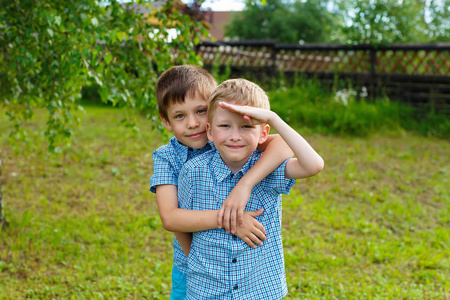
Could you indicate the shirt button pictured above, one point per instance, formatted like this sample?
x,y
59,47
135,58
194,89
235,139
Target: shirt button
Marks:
x,y
234,237
235,287
234,260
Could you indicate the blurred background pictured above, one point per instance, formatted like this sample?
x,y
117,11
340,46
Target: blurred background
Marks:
x,y
367,83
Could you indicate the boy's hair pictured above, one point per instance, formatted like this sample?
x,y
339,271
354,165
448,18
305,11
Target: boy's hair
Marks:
x,y
237,91
179,82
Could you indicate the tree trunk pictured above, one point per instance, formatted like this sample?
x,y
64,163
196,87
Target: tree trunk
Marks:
x,y
3,222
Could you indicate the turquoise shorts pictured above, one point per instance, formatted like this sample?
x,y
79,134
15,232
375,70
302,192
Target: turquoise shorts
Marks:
x,y
178,285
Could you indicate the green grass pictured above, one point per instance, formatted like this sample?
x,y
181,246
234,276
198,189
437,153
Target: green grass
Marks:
x,y
83,225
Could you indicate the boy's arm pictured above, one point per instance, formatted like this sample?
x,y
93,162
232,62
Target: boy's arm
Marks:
x,y
170,214
181,220
307,162
184,221
232,211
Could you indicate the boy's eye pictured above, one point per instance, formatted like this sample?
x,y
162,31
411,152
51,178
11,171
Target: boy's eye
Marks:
x,y
180,116
201,111
223,125
247,126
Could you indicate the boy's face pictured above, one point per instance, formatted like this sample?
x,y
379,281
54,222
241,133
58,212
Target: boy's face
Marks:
x,y
234,137
188,121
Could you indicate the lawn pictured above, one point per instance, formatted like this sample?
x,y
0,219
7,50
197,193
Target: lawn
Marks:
x,y
83,225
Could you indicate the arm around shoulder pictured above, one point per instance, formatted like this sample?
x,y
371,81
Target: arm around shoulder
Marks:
x,y
307,161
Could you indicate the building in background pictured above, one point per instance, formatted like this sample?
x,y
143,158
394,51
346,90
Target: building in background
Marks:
x,y
218,21
214,21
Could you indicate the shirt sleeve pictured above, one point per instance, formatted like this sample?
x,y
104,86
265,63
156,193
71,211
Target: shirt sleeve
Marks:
x,y
277,180
163,171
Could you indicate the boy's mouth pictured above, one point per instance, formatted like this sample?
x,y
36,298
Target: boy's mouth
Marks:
x,y
196,135
234,147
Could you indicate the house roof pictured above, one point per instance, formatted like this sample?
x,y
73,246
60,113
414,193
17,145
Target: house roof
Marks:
x,y
218,21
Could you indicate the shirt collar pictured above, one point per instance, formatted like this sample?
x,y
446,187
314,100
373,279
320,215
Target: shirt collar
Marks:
x,y
221,171
185,153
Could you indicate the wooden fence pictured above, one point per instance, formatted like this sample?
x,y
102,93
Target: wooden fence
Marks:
x,y
418,74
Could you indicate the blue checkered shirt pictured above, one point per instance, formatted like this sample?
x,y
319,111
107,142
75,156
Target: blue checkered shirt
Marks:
x,y
167,163
222,266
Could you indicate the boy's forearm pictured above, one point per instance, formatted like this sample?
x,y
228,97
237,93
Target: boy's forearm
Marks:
x,y
181,220
186,220
311,163
276,151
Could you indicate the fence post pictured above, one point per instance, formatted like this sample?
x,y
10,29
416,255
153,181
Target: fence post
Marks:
x,y
373,75
274,60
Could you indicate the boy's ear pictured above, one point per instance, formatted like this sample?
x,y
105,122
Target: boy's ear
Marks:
x,y
166,123
208,132
264,133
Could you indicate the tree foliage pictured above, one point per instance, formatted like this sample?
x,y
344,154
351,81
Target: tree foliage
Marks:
x,y
394,21
438,29
284,21
51,49
344,21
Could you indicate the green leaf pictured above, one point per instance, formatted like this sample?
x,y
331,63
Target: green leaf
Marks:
x,y
58,20
107,58
98,81
113,35
94,21
121,36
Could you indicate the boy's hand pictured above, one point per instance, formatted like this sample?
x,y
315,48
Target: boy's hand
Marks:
x,y
252,232
232,210
254,115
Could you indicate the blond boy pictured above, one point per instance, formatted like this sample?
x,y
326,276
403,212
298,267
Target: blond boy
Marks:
x,y
221,266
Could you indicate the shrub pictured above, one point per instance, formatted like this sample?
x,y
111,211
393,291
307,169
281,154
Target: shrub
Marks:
x,y
308,104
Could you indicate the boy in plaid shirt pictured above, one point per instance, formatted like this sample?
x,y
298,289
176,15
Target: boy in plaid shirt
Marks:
x,y
182,93
221,266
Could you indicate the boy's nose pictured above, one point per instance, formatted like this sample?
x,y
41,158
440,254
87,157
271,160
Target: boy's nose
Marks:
x,y
235,136
193,122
